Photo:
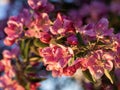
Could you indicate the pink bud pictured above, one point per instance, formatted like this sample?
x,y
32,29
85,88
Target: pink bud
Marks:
x,y
9,41
45,37
37,4
7,54
72,40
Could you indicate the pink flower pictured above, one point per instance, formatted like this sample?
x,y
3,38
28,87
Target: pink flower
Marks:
x,y
102,24
42,5
57,26
108,56
96,71
102,28
62,26
34,86
7,57
45,37
9,41
31,33
41,22
88,30
25,17
7,83
68,25
88,33
117,55
6,78
69,71
72,40
7,54
99,30
15,27
78,63
81,63
37,4
11,54
98,62
13,31
108,65
56,57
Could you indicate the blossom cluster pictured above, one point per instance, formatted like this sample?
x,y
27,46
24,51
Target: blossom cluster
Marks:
x,y
60,45
7,72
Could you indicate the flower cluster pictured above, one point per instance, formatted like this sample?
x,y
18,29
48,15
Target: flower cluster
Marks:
x,y
56,58
61,45
7,71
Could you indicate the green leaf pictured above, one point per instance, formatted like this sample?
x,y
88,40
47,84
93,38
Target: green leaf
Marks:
x,y
22,46
61,39
89,76
38,43
35,59
27,86
53,41
36,79
81,53
80,40
31,69
26,49
70,62
34,50
107,74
